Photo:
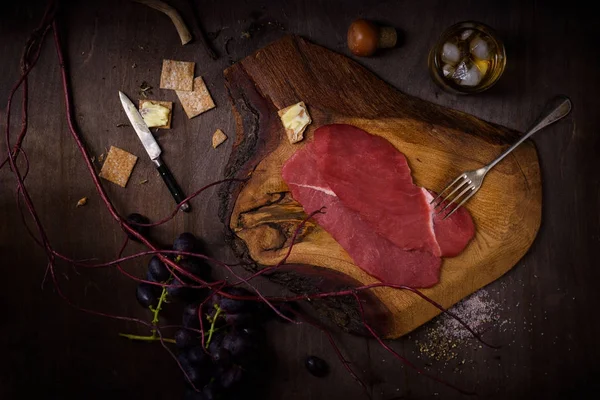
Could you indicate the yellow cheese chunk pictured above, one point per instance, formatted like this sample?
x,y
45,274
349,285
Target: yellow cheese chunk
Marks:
x,y
154,114
295,119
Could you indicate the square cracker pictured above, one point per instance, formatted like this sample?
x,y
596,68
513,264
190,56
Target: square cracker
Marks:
x,y
198,101
118,166
166,104
177,75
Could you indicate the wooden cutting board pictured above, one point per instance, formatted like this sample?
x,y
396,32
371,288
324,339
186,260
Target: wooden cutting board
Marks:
x,y
260,215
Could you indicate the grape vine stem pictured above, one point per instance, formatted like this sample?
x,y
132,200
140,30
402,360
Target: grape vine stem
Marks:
x,y
149,338
212,324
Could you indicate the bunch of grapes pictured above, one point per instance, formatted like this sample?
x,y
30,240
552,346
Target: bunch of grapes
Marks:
x,y
148,295
233,350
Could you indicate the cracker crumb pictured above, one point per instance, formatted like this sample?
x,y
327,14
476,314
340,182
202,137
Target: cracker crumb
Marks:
x,y
82,202
118,166
197,101
218,138
145,89
177,75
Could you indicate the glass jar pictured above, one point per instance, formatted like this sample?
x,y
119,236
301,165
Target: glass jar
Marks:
x,y
469,57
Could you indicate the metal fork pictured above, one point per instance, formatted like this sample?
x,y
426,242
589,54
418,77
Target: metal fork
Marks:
x,y
469,182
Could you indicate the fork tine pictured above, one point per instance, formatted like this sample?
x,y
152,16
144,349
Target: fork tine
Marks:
x,y
462,176
461,203
469,187
456,189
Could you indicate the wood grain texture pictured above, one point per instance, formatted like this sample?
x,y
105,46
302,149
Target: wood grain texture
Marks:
x,y
438,143
549,342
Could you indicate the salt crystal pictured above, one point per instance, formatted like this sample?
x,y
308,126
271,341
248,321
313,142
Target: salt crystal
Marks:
x,y
450,53
446,336
475,311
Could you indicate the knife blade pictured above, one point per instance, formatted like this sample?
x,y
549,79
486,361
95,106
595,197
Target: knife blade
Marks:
x,y
153,149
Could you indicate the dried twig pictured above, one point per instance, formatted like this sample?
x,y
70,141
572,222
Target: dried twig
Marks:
x,y
182,29
210,51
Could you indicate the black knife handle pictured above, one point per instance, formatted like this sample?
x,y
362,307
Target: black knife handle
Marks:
x,y
173,186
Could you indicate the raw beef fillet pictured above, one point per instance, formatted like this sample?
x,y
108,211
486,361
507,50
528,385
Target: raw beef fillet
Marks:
x,y
372,207
371,177
454,233
371,252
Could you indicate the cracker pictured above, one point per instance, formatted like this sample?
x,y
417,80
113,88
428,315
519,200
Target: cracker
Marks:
x,y
198,101
166,104
218,138
118,166
177,75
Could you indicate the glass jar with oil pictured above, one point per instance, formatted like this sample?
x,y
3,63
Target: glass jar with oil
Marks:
x,y
468,58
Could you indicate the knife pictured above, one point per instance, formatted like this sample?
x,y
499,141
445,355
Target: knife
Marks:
x,y
153,149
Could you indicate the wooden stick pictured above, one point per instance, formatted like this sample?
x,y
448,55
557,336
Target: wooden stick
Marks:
x,y
201,36
182,29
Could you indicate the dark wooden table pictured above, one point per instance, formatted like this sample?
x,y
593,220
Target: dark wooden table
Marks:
x,y
51,350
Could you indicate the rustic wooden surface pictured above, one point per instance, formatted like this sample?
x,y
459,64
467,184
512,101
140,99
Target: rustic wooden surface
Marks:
x,y
550,346
438,142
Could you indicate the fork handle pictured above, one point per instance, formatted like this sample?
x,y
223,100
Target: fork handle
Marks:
x,y
556,109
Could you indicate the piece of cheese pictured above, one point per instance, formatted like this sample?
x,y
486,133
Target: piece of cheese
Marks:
x,y
154,115
295,119
146,106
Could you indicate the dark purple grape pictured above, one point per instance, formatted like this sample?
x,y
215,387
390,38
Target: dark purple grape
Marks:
x,y
238,344
186,242
190,372
132,220
149,277
316,366
158,270
230,377
215,343
147,294
197,356
190,316
222,357
185,338
241,319
233,305
197,374
211,391
175,288
196,267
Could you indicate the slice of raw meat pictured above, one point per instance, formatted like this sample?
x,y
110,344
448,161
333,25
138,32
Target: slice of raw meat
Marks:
x,y
371,177
454,233
371,252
